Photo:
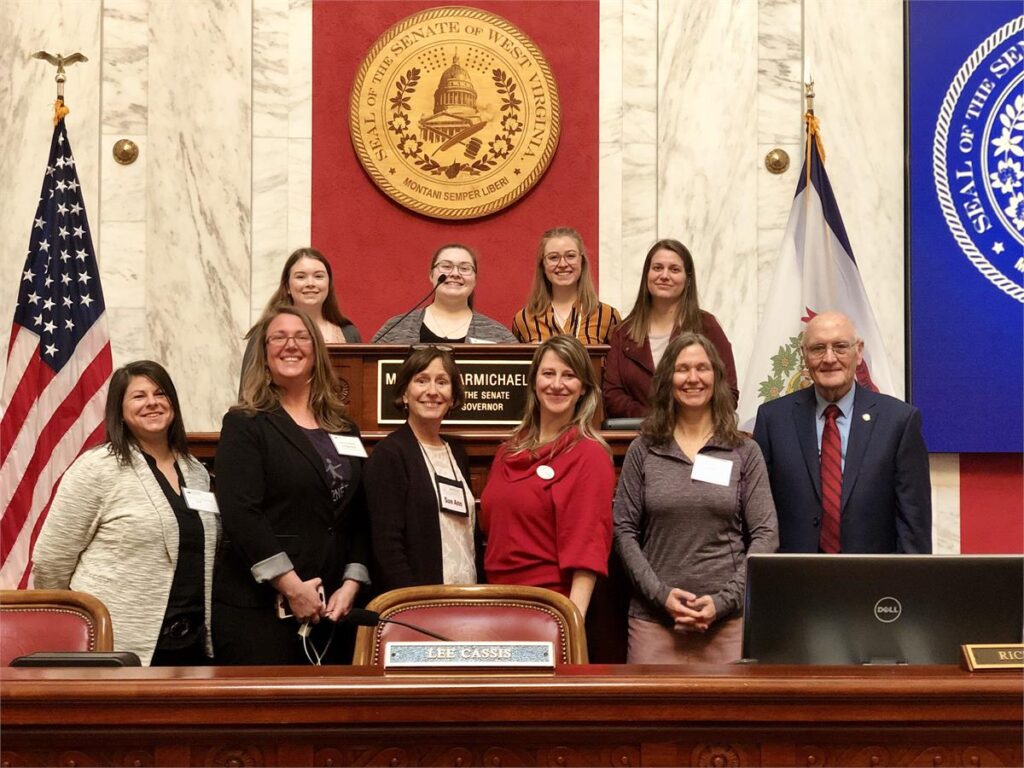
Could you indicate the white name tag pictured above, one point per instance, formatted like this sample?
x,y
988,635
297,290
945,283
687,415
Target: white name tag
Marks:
x,y
708,469
348,445
471,340
201,501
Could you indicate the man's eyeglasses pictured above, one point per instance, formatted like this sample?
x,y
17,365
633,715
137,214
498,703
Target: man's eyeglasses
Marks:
x,y
463,268
840,349
553,258
301,338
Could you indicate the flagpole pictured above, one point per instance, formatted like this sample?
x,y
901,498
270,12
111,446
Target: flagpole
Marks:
x,y
59,108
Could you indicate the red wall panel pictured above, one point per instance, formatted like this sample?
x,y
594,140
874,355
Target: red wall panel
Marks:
x,y
991,503
380,250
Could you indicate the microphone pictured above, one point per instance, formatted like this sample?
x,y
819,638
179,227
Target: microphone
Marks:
x,y
364,618
440,279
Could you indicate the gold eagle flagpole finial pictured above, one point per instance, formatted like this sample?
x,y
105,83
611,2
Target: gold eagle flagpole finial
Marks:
x,y
59,61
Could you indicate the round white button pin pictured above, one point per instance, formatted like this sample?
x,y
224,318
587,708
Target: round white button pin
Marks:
x,y
544,472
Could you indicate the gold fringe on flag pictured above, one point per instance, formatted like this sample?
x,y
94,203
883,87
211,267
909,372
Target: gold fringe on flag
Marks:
x,y
813,131
59,111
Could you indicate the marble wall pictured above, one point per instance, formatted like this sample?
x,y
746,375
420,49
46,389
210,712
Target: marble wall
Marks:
x,y
217,93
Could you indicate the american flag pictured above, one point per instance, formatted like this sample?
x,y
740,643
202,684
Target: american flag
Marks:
x,y
58,363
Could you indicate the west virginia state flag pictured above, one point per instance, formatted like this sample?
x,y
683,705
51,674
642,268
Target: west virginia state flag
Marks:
x,y
816,272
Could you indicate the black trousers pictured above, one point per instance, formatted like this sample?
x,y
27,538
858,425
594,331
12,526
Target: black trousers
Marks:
x,y
193,655
255,636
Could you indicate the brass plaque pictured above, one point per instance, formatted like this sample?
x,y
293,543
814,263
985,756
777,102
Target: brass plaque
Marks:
x,y
990,656
454,113
494,393
452,654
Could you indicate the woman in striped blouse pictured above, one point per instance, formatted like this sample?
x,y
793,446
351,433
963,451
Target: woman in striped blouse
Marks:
x,y
562,298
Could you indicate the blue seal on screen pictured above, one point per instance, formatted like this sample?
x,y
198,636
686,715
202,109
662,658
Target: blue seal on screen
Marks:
x,y
978,158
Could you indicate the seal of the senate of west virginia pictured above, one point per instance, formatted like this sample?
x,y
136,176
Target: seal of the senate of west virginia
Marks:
x,y
454,113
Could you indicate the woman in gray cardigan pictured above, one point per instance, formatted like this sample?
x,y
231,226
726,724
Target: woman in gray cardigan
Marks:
x,y
134,524
450,319
692,489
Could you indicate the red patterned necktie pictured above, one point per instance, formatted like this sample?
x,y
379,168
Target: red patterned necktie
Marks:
x,y
831,480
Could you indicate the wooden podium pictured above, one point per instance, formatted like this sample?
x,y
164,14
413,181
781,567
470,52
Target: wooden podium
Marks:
x,y
359,368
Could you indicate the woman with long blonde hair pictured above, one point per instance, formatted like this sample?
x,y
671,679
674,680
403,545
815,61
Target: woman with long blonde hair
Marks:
x,y
289,465
547,505
562,298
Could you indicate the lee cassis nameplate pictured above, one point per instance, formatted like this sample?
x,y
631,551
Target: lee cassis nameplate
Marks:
x,y
469,655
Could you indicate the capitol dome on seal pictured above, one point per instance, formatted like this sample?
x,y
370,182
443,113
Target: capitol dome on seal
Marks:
x,y
454,104
455,92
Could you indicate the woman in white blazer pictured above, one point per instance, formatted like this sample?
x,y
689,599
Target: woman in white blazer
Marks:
x,y
134,524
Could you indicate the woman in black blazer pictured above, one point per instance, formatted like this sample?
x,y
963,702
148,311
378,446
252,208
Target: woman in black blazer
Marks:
x,y
288,486
422,514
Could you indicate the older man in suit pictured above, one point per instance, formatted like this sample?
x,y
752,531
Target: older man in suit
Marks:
x,y
848,466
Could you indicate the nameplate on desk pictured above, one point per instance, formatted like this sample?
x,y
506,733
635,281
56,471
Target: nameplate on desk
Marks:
x,y
464,655
494,392
995,656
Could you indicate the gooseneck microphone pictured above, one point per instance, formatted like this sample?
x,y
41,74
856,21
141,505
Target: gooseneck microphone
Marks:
x,y
440,279
364,618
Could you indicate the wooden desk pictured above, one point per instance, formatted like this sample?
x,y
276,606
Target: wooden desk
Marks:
x,y
593,715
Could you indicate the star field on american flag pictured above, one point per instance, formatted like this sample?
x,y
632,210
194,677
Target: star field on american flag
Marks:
x,y
60,296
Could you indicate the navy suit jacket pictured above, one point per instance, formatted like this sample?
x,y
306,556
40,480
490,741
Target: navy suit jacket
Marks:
x,y
886,503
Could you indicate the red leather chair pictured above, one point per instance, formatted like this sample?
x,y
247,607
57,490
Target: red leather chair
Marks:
x,y
482,612
33,620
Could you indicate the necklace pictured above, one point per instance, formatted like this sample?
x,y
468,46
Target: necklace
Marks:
x,y
449,330
564,323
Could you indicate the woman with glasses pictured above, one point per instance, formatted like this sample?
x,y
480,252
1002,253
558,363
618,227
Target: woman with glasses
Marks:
x,y
666,306
546,510
307,283
693,501
133,524
422,514
289,466
450,319
562,298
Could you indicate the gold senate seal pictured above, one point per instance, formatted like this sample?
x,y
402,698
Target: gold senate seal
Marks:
x,y
454,113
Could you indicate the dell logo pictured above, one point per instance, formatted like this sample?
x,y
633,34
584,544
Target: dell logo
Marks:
x,y
888,609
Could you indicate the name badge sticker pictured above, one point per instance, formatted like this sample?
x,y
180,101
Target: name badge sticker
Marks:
x,y
708,469
349,445
200,501
451,495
